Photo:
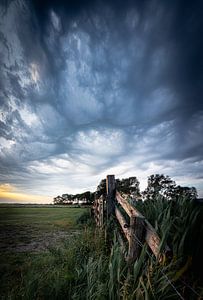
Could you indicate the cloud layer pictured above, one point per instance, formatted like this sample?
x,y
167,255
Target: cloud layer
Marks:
x,y
93,87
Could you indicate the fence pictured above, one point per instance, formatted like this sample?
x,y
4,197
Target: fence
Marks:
x,y
136,229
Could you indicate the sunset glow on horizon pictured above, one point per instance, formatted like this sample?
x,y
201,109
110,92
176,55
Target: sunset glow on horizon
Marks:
x,y
8,193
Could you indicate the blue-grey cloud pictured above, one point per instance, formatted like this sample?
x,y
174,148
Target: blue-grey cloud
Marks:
x,y
88,86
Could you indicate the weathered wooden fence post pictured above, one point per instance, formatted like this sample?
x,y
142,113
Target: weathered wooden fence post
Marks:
x,y
137,230
95,210
101,211
110,190
98,208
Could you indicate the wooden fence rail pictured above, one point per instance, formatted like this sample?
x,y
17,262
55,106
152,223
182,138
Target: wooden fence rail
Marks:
x,y
136,229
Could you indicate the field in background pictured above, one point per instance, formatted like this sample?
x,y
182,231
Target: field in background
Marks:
x,y
29,230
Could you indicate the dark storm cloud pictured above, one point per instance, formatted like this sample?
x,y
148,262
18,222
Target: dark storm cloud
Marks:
x,y
75,74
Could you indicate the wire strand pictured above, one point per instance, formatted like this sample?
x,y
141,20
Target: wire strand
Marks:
x,y
169,281
191,288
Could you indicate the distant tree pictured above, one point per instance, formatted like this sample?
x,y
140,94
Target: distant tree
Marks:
x,y
183,191
129,186
68,199
58,200
159,184
88,196
101,188
55,200
165,186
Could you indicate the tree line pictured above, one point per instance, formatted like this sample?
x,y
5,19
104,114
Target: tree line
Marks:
x,y
157,185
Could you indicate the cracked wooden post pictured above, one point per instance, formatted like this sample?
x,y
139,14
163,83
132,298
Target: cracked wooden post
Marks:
x,y
102,211
110,191
95,210
136,239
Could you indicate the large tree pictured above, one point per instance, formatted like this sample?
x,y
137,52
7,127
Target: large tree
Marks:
x,y
101,188
128,186
165,186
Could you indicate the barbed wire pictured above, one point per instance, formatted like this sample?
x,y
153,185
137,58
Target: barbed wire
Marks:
x,y
191,288
163,273
169,281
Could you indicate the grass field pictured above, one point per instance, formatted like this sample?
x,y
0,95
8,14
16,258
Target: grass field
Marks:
x,y
30,228
56,253
27,232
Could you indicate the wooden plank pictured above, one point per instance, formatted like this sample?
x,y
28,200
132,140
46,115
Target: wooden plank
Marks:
x,y
131,211
110,189
95,207
152,239
98,210
123,223
101,211
137,230
121,242
96,217
151,236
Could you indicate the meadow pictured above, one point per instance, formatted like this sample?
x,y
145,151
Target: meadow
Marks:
x,y
69,258
29,231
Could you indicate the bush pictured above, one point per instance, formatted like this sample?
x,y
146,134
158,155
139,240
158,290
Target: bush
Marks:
x,y
85,218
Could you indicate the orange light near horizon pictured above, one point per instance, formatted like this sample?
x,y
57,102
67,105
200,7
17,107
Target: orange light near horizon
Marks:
x,y
6,187
9,193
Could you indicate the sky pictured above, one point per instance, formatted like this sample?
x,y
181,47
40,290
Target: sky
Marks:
x,y
90,88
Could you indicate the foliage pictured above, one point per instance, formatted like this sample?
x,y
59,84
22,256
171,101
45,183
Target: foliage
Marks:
x,y
86,198
165,186
175,221
85,218
101,188
129,186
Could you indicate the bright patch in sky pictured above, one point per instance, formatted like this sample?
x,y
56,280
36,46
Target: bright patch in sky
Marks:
x,y
34,70
8,193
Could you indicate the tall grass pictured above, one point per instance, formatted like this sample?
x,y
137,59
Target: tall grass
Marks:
x,y
88,267
176,221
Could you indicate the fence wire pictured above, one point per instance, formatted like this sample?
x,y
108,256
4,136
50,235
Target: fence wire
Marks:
x,y
167,278
164,274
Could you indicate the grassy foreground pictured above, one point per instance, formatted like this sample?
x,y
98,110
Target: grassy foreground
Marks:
x,y
87,265
29,233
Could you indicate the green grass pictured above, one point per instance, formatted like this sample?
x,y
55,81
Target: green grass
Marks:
x,y
42,217
20,226
27,233
87,265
